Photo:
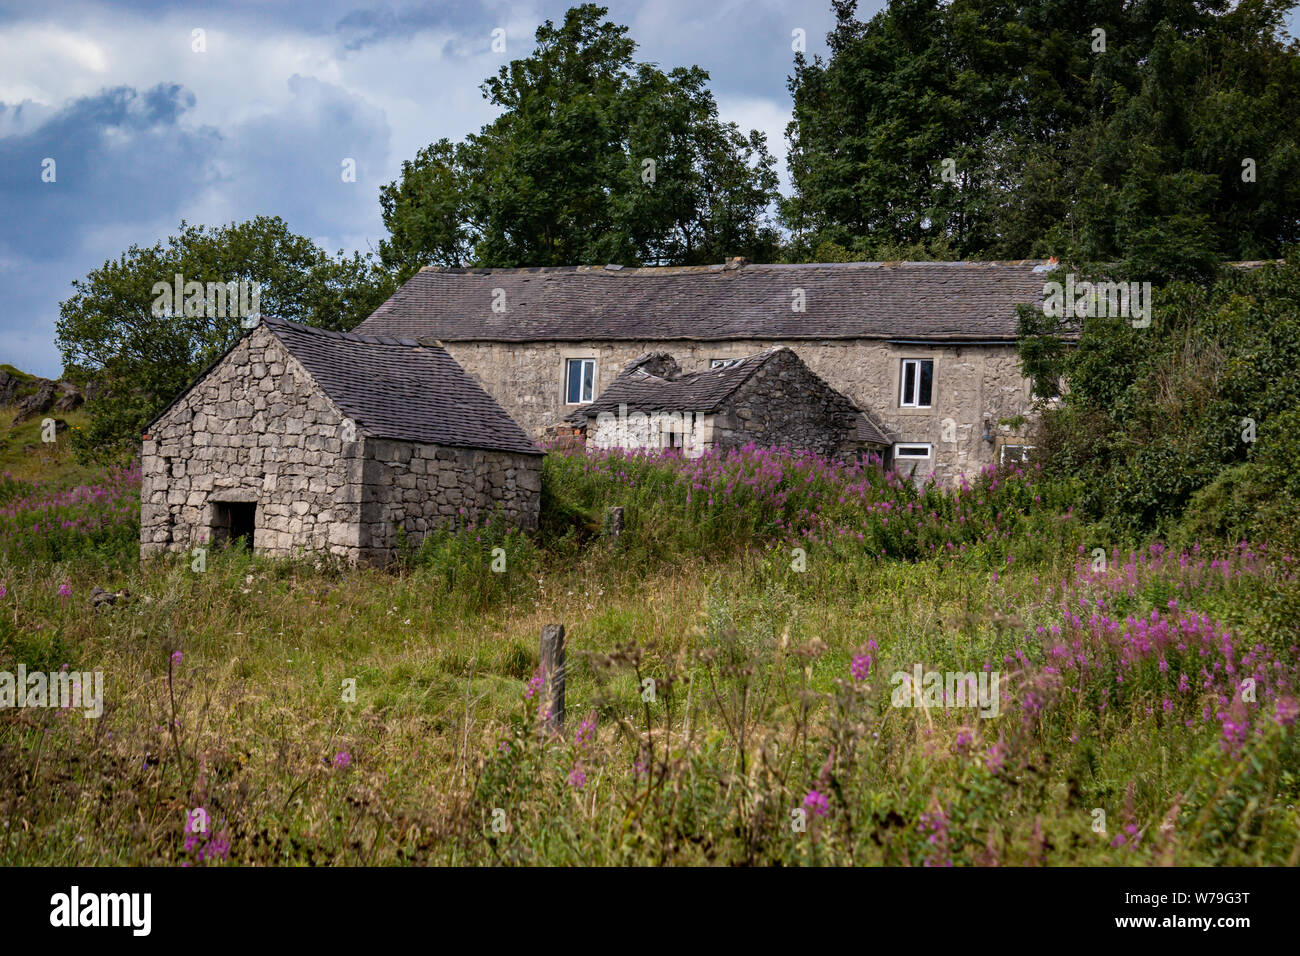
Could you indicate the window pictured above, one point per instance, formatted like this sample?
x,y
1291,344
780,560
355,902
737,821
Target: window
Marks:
x,y
918,383
911,452
580,377
722,363
1014,454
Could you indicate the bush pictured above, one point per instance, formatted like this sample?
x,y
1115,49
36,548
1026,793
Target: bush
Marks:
x,y
1154,420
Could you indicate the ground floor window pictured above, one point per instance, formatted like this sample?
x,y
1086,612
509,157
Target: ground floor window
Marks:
x,y
1014,454
911,452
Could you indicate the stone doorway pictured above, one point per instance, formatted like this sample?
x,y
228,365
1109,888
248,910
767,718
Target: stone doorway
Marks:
x,y
234,521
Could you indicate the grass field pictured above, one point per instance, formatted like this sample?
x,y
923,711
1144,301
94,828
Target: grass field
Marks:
x,y
732,694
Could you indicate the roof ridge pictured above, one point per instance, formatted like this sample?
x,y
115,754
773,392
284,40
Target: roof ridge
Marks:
x,y
364,338
721,268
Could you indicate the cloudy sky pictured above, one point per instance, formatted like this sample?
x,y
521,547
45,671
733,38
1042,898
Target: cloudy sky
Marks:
x,y
145,132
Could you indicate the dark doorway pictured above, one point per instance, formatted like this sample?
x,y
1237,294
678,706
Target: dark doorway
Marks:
x,y
234,521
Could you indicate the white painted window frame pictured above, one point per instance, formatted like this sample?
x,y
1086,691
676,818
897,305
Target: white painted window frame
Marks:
x,y
913,400
1002,452
929,451
581,401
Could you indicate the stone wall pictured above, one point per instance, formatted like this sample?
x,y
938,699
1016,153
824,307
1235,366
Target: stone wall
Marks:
x,y
258,429
783,404
420,488
255,429
972,383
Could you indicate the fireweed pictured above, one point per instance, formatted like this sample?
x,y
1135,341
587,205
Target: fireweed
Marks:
x,y
1162,689
53,523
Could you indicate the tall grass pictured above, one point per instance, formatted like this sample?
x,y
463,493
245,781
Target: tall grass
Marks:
x,y
729,701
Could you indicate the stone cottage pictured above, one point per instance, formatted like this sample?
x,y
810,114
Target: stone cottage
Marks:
x,y
771,398
929,347
304,440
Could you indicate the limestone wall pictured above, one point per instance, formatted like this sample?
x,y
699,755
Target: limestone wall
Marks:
x,y
257,429
971,384
254,429
782,404
419,488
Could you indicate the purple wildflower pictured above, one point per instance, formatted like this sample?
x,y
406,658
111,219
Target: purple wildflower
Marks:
x,y
816,803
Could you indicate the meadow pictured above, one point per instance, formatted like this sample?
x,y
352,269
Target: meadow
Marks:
x,y
732,688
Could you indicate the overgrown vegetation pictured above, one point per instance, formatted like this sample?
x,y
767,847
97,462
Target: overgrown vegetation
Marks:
x,y
731,690
1186,428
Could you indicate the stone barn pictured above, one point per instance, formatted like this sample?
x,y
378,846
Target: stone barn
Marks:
x,y
770,398
305,440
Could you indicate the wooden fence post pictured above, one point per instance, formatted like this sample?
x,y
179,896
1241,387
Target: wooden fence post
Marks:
x,y
552,663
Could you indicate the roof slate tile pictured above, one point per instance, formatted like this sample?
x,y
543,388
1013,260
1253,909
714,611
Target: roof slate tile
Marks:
x,y
923,300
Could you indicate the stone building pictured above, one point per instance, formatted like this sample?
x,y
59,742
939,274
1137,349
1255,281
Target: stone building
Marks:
x,y
304,440
771,398
929,347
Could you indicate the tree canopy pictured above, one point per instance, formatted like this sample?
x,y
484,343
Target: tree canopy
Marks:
x,y
1160,136
143,347
595,158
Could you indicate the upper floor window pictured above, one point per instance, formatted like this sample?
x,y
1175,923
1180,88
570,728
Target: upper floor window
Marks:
x,y
722,363
917,383
580,381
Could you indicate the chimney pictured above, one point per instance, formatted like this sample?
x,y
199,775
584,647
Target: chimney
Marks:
x,y
735,262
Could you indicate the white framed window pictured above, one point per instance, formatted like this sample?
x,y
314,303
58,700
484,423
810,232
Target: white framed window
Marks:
x,y
579,381
917,383
911,451
1014,454
722,363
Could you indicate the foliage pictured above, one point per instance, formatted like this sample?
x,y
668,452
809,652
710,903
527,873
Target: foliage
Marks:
x,y
1201,401
1004,130
729,711
108,330
561,177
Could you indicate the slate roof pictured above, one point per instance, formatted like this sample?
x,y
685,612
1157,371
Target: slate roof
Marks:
x,y
869,432
939,301
697,392
702,392
397,388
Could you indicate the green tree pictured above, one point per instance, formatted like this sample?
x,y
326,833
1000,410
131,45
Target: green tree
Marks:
x,y
140,351
595,158
1161,137
1151,416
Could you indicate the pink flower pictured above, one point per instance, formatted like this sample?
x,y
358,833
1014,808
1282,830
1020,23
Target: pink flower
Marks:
x,y
577,778
816,803
342,759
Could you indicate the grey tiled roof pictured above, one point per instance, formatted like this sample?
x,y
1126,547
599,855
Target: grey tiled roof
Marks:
x,y
396,388
869,432
698,392
920,300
